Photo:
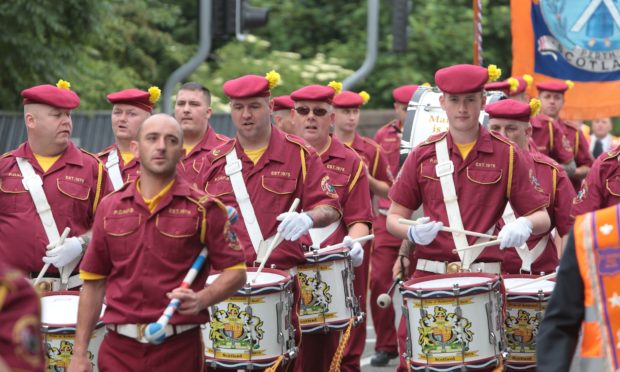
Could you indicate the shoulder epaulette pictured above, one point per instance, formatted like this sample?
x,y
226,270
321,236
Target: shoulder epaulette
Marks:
x,y
221,137
501,138
222,150
570,124
90,153
5,155
547,161
105,151
613,153
297,140
434,138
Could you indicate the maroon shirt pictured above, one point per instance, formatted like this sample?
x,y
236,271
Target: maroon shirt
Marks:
x,y
601,187
74,185
144,255
195,164
556,185
21,347
287,170
484,182
581,148
129,171
373,157
388,137
346,171
550,139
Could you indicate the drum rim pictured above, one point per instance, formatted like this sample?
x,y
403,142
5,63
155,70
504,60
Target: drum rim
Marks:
x,y
521,294
408,285
98,325
285,281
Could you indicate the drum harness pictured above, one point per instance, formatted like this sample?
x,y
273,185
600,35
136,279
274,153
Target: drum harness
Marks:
x,y
114,172
34,184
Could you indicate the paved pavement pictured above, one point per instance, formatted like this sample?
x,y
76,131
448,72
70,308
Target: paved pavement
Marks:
x,y
370,341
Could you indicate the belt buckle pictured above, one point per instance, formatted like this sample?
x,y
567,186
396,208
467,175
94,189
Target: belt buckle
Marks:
x,y
141,327
454,267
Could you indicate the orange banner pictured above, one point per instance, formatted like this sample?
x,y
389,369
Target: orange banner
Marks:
x,y
576,40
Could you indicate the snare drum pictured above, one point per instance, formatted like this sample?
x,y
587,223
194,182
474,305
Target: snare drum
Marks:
x,y
453,321
328,299
525,309
253,328
58,319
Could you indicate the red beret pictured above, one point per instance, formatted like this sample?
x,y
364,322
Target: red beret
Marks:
x,y
247,86
348,99
509,109
52,96
321,93
501,86
282,103
133,97
404,93
553,86
461,79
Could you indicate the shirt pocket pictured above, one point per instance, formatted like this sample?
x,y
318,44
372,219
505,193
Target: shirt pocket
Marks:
x,y
429,181
340,182
485,186
389,145
613,186
175,233
78,203
13,196
219,188
121,231
278,195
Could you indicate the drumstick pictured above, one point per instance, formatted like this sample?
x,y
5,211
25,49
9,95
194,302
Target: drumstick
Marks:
x,y
155,333
61,241
405,221
479,245
385,299
539,279
276,240
361,239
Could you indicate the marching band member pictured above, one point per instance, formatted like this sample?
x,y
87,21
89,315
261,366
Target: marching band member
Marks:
x,y
511,118
551,95
463,178
313,117
48,185
131,108
282,115
347,106
273,168
385,245
21,346
145,238
193,110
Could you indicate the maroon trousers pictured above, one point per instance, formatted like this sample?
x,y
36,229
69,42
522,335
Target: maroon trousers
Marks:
x,y
183,352
384,254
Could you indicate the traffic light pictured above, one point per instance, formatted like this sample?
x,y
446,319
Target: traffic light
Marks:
x,y
400,21
235,17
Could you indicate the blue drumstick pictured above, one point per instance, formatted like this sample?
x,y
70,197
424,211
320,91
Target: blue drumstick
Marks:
x,y
155,333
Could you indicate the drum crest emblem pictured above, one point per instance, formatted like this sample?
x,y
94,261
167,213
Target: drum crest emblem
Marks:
x,y
315,295
235,329
443,332
521,331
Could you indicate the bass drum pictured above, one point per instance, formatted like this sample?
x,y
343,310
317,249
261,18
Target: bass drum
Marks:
x,y
425,117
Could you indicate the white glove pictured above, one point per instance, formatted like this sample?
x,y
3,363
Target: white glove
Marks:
x,y
425,232
294,225
63,254
355,251
515,233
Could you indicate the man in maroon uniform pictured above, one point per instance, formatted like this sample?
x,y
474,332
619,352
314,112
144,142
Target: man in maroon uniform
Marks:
x,y
511,119
314,117
192,111
21,347
282,115
272,168
47,185
131,108
145,238
463,178
551,95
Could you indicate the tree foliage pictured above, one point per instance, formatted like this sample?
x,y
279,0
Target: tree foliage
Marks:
x,y
107,45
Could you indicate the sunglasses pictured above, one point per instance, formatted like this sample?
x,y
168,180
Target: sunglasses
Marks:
x,y
317,111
